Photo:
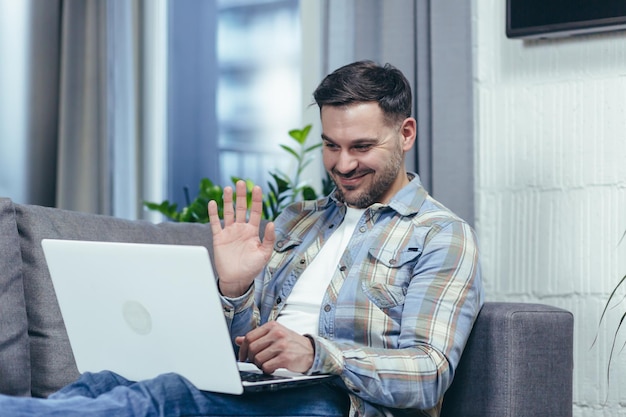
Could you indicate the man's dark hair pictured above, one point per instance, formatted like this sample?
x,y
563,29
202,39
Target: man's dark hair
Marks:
x,y
366,81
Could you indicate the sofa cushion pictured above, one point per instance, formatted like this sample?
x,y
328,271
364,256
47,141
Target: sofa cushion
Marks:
x,y
52,361
14,350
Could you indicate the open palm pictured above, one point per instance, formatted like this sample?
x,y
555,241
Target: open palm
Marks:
x,y
240,255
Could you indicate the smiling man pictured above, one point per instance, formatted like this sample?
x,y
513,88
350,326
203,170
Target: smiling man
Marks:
x,y
382,279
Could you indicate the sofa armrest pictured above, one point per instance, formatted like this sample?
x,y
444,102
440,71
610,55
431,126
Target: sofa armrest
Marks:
x,y
518,362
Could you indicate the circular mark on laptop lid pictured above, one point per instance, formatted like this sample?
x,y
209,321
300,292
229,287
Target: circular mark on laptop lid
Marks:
x,y
137,317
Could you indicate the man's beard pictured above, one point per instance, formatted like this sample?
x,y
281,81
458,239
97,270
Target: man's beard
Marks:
x,y
382,181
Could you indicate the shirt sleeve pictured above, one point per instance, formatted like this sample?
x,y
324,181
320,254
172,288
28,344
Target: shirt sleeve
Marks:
x,y
241,314
442,301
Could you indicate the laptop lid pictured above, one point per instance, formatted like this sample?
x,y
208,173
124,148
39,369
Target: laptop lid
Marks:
x,y
141,310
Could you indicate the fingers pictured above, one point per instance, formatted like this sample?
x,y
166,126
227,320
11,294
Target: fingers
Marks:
x,y
243,348
246,351
241,205
256,209
214,218
272,346
229,214
239,212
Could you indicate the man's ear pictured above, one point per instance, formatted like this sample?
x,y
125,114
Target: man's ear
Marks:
x,y
408,130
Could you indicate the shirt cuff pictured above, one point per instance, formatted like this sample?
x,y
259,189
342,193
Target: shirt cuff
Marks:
x,y
235,305
328,357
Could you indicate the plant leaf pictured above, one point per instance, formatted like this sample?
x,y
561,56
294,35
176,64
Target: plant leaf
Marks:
x,y
308,193
300,135
291,151
313,147
608,301
608,368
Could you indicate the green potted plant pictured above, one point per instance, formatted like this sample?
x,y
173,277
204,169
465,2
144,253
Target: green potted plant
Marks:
x,y
282,190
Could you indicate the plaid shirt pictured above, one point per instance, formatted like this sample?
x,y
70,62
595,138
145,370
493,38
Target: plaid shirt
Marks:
x,y
400,306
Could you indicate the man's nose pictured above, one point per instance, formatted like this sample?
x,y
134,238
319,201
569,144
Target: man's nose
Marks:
x,y
346,162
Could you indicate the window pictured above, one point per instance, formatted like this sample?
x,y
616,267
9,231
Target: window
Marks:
x,y
258,88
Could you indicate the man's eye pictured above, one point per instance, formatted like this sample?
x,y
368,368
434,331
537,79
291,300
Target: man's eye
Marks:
x,y
362,148
330,145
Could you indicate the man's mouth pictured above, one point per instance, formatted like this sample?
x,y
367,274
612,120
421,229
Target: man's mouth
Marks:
x,y
350,182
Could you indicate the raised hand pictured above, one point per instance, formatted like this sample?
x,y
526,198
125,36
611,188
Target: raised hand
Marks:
x,y
239,253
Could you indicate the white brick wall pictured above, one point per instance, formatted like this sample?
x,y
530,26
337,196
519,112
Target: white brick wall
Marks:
x,y
551,185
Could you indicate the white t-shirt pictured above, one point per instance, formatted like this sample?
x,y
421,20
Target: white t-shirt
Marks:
x,y
302,308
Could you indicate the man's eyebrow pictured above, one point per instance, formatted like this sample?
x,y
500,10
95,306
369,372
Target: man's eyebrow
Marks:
x,y
354,142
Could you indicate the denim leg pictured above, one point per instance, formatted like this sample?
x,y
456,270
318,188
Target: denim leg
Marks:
x,y
322,399
185,400
170,395
91,385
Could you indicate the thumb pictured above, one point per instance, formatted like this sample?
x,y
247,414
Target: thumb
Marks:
x,y
243,348
269,236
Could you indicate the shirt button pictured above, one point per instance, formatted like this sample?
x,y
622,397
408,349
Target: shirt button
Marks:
x,y
280,244
279,300
362,229
342,268
302,261
392,261
327,308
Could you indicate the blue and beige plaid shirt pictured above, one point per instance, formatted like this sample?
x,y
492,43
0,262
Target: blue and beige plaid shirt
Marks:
x,y
399,308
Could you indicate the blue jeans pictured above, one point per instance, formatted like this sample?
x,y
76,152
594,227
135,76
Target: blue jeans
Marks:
x,y
107,394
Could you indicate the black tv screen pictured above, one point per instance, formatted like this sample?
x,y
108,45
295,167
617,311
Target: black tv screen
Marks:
x,y
552,18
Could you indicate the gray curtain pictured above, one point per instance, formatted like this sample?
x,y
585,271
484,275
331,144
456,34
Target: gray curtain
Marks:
x,y
82,180
98,167
29,71
70,131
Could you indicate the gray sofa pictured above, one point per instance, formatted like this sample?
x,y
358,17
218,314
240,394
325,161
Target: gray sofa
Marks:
x,y
518,361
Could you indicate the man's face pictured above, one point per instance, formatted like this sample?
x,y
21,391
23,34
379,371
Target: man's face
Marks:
x,y
364,155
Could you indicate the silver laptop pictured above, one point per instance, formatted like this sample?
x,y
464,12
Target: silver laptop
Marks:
x,y
141,310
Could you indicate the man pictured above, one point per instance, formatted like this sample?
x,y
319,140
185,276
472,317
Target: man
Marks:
x,y
378,283
382,280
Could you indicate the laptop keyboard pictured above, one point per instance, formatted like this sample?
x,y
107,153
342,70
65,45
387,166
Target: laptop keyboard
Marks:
x,y
256,377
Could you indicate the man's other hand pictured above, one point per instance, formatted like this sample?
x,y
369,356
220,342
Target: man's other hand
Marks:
x,y
274,346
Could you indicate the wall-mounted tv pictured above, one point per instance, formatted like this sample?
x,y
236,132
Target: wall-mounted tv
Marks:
x,y
556,18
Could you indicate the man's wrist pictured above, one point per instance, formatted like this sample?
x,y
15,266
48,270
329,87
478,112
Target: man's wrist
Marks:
x,y
232,292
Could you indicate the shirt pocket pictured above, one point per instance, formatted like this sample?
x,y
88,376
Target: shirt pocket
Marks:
x,y
385,279
383,295
388,275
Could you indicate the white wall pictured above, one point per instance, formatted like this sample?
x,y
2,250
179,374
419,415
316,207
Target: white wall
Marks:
x,y
550,120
